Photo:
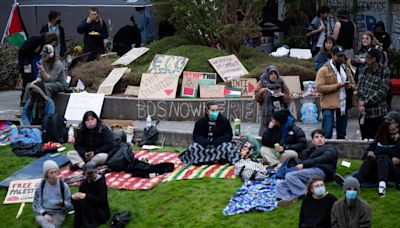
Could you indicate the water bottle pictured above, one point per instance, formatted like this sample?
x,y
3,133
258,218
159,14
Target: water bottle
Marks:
x,y
148,121
237,127
71,135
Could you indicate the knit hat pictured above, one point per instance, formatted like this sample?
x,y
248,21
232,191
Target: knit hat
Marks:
x,y
281,116
393,116
49,164
351,182
89,168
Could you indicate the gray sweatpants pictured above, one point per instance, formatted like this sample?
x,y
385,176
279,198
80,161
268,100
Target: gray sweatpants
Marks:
x,y
98,159
58,220
295,183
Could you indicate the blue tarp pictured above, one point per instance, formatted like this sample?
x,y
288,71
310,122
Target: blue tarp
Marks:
x,y
33,170
88,3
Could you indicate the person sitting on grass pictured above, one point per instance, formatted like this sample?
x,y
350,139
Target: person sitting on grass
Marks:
x,y
283,131
52,197
91,202
316,208
38,105
319,160
382,161
351,211
212,135
93,142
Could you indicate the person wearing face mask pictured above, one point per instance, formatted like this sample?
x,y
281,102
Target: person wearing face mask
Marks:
x,y
91,202
93,142
212,137
54,26
315,211
335,83
94,30
351,211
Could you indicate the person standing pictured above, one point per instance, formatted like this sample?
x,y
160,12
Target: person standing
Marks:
x,y
344,33
372,89
324,55
52,198
351,211
126,38
318,29
94,31
54,26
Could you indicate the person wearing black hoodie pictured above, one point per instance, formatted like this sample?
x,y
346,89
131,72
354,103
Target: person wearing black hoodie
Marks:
x,y
91,202
126,37
212,135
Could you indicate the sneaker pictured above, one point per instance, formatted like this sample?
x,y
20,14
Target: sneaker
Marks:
x,y
287,202
381,191
338,179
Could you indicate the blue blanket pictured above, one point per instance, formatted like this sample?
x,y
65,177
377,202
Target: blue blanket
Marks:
x,y
33,170
257,195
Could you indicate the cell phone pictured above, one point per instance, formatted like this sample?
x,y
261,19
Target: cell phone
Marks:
x,y
346,82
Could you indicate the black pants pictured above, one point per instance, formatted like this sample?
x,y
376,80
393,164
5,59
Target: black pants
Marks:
x,y
370,127
88,215
26,78
377,169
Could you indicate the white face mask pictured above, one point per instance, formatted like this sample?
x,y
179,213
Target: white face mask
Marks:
x,y
319,191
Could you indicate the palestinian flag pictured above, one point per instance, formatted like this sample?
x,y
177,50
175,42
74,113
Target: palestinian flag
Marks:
x,y
16,32
232,92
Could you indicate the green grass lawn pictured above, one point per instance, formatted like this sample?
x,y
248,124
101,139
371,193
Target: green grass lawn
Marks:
x,y
194,203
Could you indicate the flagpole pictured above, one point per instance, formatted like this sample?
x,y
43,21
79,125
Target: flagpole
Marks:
x,y
9,21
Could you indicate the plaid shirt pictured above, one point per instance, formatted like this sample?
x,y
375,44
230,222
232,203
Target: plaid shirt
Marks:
x,y
372,89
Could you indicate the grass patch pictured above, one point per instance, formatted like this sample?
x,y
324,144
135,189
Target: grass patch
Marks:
x,y
194,203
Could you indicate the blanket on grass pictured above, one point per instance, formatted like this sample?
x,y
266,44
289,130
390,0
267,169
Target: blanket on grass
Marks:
x,y
257,195
122,180
225,171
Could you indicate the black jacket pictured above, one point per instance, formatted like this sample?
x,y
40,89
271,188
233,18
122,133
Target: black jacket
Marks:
x,y
324,157
222,131
125,37
93,43
98,140
295,140
316,213
63,46
28,51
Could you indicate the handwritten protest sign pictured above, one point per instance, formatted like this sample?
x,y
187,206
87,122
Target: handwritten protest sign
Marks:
x,y
293,83
167,64
132,91
228,67
79,103
21,191
130,56
190,84
247,85
108,84
212,91
208,78
159,86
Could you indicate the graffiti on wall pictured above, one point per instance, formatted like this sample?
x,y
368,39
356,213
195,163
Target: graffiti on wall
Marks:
x,y
396,30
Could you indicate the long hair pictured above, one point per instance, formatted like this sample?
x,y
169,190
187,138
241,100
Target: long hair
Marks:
x,y
383,134
311,182
38,102
86,116
373,41
323,48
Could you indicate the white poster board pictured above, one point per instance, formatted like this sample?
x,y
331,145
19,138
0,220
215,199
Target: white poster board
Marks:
x,y
130,56
113,77
293,83
79,103
158,86
132,91
300,53
212,91
21,191
167,64
228,67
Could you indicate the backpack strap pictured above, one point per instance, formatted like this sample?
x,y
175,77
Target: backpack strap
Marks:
x,y
62,188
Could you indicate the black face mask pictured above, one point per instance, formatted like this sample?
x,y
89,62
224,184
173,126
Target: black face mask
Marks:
x,y
58,22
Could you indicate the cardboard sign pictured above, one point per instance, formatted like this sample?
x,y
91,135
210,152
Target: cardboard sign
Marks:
x,y
293,83
228,67
132,91
167,64
212,91
108,84
159,86
208,78
130,56
190,84
247,85
79,103
21,191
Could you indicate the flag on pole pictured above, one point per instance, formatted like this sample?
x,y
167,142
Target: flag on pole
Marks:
x,y
16,33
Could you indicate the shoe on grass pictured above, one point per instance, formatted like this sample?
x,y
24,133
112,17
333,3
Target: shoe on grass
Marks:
x,y
382,188
287,202
338,179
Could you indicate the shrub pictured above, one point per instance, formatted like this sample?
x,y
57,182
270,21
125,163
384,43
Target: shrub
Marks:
x,y
8,66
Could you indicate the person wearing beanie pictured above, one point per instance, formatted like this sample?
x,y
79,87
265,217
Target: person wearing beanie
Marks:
x,y
272,95
38,105
91,202
320,160
351,211
282,140
52,198
335,83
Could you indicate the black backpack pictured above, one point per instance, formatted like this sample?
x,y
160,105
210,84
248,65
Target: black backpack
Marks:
x,y
54,128
120,157
120,219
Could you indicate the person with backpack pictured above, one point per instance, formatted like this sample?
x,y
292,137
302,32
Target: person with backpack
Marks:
x,y
372,90
93,142
52,198
38,106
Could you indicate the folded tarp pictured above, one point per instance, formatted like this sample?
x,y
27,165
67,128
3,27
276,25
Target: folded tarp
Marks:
x,y
33,170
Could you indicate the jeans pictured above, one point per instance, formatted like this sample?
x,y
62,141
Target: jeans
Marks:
x,y
328,121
